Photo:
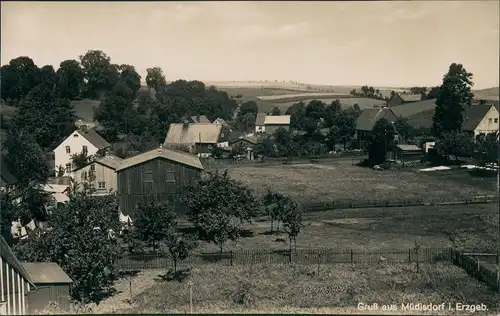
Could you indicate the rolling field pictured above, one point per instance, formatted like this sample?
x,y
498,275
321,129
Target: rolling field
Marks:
x,y
299,289
337,181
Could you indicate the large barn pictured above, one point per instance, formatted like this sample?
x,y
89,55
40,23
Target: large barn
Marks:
x,y
159,173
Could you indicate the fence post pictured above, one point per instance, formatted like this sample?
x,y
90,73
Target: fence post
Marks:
x,y
478,266
231,257
417,247
319,255
352,256
409,255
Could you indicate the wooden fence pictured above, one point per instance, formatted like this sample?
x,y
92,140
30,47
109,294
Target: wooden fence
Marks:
x,y
483,270
299,256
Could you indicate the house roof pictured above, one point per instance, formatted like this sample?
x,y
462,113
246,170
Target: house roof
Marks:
x,y
8,255
168,154
46,273
277,120
408,147
94,138
201,119
410,97
411,109
55,188
473,115
204,133
260,119
110,161
369,117
250,139
220,120
422,119
5,173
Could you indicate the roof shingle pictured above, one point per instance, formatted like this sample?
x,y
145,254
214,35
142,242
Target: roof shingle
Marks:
x,y
46,273
193,133
410,97
366,121
277,120
411,109
473,115
8,255
168,154
94,138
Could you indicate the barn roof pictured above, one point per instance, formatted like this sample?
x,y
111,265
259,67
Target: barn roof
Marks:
x,y
408,147
110,161
94,138
200,119
411,109
277,119
8,255
180,134
366,121
260,119
46,273
410,97
168,154
473,115
250,139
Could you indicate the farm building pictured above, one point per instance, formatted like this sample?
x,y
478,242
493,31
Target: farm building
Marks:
x,y
403,98
159,173
52,285
100,173
367,120
260,122
269,124
197,138
407,153
87,141
199,119
15,283
481,118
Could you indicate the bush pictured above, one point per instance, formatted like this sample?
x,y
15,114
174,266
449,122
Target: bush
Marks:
x,y
365,163
386,165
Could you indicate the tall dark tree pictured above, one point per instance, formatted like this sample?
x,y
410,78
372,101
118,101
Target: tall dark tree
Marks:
x,y
331,112
100,74
155,79
19,77
47,118
130,77
48,75
454,97
433,93
382,141
404,128
70,79
486,148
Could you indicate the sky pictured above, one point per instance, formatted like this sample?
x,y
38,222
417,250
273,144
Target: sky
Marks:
x,y
395,44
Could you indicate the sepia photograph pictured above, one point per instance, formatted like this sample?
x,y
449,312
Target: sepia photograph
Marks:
x,y
250,157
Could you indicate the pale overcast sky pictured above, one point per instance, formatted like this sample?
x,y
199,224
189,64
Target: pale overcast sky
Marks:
x,y
337,43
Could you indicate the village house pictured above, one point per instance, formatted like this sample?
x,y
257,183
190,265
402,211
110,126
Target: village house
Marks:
x,y
199,119
100,174
367,120
86,141
220,121
407,153
196,138
481,118
269,124
244,145
159,173
403,98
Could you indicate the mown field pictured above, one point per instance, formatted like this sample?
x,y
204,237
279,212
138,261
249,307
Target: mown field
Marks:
x,y
343,181
298,289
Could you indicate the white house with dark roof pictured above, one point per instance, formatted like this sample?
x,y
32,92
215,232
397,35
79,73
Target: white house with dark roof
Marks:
x,y
100,173
480,119
271,123
88,141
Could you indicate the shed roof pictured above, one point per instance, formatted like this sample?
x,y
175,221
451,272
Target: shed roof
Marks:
x,y
410,97
94,138
8,255
366,121
168,154
409,147
277,120
260,119
250,139
110,161
46,273
473,115
411,109
193,133
200,119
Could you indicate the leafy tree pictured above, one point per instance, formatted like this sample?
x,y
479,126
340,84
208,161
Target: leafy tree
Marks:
x,y
19,77
130,77
486,148
269,203
343,129
100,74
218,206
382,141
47,118
454,97
292,220
70,79
90,264
433,93
404,128
179,246
454,144
331,113
276,111
80,160
314,111
418,90
155,79
266,146
153,220
247,115
48,75
8,216
248,107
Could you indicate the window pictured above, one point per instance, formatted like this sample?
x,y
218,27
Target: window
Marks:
x,y
170,176
209,146
148,176
84,175
92,167
490,121
68,150
101,185
68,167
75,135
496,120
85,150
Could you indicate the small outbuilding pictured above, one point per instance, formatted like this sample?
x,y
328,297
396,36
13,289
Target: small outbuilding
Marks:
x,y
52,285
407,153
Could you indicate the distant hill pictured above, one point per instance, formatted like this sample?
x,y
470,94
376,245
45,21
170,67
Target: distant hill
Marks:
x,y
487,94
